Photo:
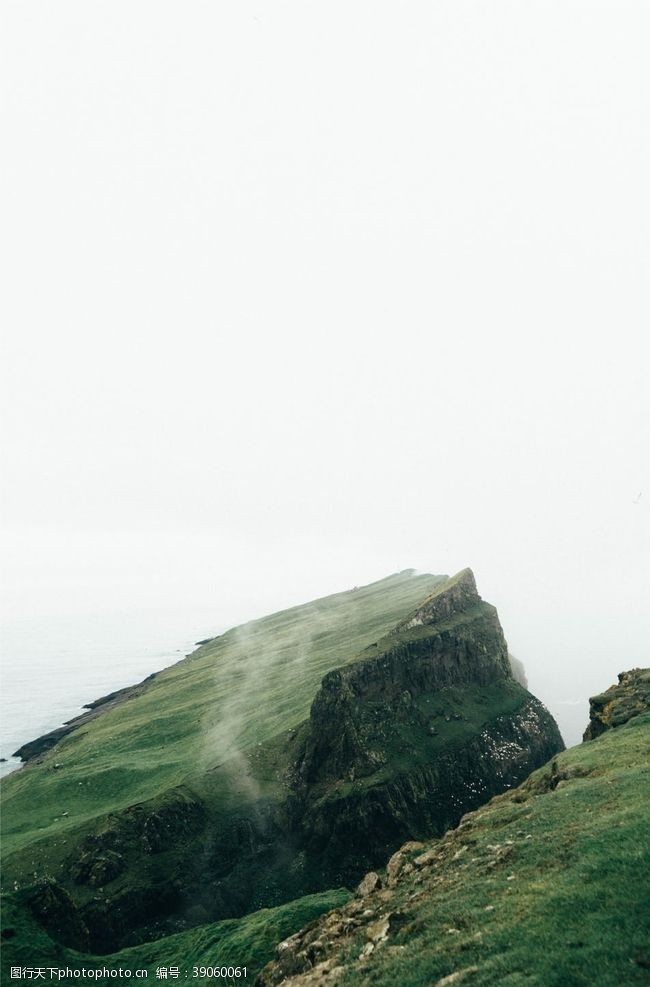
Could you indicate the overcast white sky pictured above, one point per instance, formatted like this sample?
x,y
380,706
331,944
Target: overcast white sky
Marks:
x,y
297,295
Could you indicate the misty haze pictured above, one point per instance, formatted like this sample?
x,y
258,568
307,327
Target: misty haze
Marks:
x,y
326,478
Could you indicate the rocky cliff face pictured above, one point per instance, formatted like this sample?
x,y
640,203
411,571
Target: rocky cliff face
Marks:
x,y
454,596
629,697
453,639
426,725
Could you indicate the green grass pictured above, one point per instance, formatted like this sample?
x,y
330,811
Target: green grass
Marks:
x,y
576,910
248,942
230,695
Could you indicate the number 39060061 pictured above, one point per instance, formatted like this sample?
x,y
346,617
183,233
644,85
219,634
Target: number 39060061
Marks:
x,y
223,972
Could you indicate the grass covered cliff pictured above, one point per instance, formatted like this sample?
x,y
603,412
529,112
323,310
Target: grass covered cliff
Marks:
x,y
280,760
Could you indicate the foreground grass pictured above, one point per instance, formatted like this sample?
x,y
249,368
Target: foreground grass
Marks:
x,y
546,886
246,942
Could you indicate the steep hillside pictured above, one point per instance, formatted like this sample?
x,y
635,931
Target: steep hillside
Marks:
x,y
547,885
426,724
216,789
233,692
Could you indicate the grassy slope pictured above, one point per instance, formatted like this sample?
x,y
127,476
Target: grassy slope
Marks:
x,y
248,942
547,885
231,694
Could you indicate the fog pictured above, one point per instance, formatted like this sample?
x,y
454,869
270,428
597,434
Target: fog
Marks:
x,y
300,295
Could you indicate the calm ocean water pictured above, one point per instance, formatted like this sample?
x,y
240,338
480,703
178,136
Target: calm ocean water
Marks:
x,y
50,667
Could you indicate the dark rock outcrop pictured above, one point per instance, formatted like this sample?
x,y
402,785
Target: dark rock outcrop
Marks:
x,y
453,639
376,770
127,841
629,697
52,906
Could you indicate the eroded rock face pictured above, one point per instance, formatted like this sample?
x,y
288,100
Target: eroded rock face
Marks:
x,y
376,769
53,907
455,596
371,882
453,639
619,703
348,834
140,832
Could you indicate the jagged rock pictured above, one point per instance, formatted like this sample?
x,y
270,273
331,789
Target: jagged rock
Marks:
x,y
456,977
98,867
394,867
427,859
619,703
452,597
371,882
377,931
